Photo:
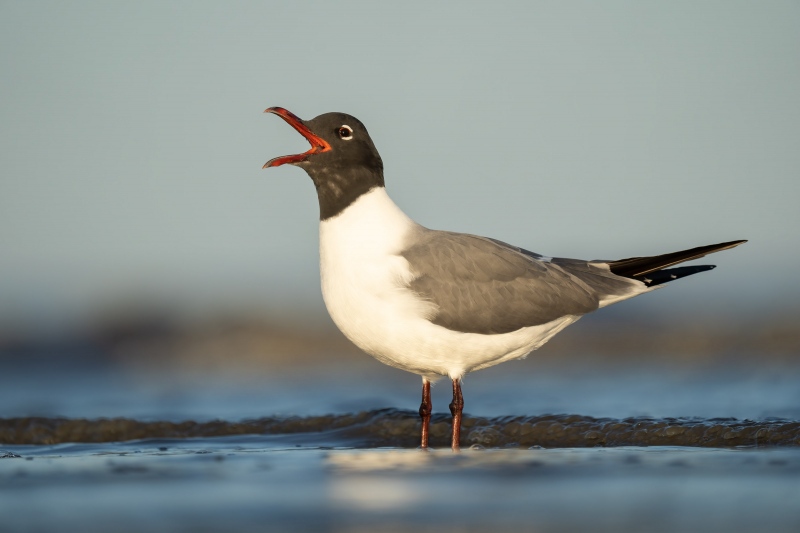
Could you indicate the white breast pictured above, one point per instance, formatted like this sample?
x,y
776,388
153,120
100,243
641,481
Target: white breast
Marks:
x,y
363,274
364,285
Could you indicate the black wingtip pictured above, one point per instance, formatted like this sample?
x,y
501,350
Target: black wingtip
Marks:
x,y
635,267
733,244
671,274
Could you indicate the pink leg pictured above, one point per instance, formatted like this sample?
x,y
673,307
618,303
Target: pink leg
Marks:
x,y
456,406
425,410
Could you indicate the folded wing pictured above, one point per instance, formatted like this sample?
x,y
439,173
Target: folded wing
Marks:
x,y
482,285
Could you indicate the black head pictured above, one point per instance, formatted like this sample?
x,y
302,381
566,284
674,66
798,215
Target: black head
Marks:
x,y
342,162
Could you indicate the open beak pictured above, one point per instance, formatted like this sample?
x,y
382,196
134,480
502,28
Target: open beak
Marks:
x,y
318,144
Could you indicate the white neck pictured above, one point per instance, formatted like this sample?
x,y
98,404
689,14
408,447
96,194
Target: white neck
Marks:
x,y
373,224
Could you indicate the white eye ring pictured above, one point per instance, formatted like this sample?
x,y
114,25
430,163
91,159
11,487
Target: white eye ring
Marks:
x,y
345,132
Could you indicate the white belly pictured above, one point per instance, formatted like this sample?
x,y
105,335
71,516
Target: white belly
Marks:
x,y
364,285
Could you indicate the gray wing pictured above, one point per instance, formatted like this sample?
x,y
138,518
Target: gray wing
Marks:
x,y
486,286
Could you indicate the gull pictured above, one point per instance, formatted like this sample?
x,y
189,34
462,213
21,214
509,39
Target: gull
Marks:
x,y
439,303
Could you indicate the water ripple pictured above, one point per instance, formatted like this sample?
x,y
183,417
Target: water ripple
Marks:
x,y
399,428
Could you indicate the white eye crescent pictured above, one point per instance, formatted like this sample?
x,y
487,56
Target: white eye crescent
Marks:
x,y
345,132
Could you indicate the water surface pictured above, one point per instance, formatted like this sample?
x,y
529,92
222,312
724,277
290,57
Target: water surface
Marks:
x,y
246,483
570,445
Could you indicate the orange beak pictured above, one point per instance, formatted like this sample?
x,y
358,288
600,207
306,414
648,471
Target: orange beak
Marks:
x,y
318,144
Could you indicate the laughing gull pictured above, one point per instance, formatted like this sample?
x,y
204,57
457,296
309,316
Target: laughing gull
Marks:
x,y
438,303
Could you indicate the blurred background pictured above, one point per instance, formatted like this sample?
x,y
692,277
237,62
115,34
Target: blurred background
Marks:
x,y
150,268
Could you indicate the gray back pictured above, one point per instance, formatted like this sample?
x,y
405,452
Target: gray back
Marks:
x,y
486,286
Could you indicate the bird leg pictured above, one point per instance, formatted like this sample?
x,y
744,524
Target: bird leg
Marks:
x,y
456,406
425,410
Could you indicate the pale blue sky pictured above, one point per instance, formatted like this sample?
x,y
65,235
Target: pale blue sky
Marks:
x,y
132,140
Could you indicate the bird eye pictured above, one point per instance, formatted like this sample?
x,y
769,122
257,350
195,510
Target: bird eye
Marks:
x,y
345,132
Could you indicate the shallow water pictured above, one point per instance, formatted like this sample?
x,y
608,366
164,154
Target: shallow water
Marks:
x,y
53,387
97,447
245,483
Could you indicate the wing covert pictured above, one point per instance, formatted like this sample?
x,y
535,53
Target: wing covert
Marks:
x,y
485,286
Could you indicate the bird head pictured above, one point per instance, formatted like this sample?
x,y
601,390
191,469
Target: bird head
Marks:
x,y
337,140
342,162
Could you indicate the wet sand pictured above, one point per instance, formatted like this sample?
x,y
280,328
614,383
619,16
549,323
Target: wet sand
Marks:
x,y
399,428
